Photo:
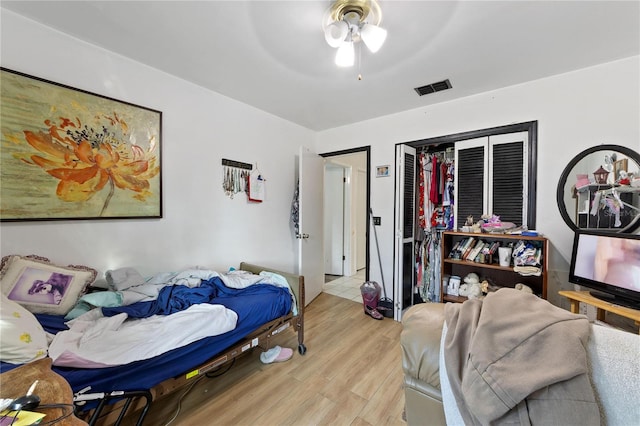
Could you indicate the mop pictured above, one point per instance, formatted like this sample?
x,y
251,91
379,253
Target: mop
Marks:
x,y
385,304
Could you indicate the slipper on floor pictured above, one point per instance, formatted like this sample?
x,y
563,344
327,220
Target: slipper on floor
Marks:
x,y
285,355
276,354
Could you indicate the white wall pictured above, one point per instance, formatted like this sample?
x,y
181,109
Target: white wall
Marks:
x,y
201,226
574,111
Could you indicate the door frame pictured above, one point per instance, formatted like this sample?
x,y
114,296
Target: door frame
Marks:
x,y
367,151
339,205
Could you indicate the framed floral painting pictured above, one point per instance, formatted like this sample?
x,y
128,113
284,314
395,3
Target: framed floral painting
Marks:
x,y
70,154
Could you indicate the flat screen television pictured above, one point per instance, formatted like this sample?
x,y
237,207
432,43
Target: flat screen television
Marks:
x,y
609,264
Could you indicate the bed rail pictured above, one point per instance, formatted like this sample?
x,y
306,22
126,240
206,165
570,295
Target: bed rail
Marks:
x,y
126,398
296,282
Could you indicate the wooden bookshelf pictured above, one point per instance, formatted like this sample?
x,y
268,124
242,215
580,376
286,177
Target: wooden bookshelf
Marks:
x,y
502,276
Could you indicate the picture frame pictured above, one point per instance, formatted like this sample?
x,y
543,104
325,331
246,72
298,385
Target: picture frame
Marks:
x,y
383,171
453,287
66,153
618,166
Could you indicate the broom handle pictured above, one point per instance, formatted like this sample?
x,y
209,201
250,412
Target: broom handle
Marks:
x,y
375,234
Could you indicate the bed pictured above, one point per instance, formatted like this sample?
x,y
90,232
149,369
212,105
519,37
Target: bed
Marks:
x,y
262,311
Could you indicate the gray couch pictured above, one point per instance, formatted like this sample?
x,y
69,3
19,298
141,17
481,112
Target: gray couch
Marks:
x,y
613,355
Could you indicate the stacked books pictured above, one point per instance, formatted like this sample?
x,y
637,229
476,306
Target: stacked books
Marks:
x,y
474,250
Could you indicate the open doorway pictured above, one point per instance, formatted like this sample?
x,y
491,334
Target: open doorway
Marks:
x,y
346,222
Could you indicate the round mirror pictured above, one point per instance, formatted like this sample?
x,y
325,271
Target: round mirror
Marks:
x,y
600,190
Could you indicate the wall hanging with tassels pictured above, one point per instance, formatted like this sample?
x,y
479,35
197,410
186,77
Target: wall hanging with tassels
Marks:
x,y
235,176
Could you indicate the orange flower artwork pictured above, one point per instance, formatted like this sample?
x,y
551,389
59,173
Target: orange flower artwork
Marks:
x,y
87,157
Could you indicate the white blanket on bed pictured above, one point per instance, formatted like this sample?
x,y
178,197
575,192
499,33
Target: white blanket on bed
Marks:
x,y
94,341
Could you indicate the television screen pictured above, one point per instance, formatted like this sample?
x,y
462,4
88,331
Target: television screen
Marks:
x,y
608,263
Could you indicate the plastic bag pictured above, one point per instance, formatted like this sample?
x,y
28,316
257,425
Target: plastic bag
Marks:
x,y
370,291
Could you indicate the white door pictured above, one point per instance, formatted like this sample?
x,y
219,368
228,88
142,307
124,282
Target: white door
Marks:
x,y
310,238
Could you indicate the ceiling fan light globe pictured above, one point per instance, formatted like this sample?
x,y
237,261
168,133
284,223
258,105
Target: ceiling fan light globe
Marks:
x,y
345,57
373,36
335,33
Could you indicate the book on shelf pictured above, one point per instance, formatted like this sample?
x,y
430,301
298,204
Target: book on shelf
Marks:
x,y
460,248
454,249
474,250
467,248
484,256
494,247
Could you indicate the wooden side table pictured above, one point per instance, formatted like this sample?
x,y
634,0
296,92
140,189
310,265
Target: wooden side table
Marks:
x,y
575,297
52,388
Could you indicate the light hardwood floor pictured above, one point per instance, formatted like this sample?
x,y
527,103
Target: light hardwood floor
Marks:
x,y
350,375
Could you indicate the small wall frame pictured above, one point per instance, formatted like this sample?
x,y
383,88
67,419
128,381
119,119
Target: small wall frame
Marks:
x,y
383,171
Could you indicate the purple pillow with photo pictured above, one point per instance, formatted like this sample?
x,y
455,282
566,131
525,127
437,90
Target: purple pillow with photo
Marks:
x,y
43,287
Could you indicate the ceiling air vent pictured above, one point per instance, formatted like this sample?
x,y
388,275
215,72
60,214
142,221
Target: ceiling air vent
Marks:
x,y
433,87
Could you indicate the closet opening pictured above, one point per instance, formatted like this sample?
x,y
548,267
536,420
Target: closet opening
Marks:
x,y
448,180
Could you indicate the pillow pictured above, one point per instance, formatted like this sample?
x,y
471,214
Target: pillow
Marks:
x,y
98,299
41,286
240,279
23,339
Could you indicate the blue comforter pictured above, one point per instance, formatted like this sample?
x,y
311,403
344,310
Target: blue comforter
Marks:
x,y
171,299
177,298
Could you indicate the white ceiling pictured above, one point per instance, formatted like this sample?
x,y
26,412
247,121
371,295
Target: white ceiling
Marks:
x,y
272,54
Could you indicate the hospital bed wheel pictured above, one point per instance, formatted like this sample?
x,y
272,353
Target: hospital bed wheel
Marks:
x,y
302,349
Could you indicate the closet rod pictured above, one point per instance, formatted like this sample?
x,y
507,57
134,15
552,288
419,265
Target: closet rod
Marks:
x,y
433,148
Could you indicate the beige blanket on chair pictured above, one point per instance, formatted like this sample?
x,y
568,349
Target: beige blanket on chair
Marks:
x,y
514,358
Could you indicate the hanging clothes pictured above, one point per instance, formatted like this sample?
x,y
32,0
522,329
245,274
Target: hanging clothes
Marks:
x,y
429,275
423,277
433,193
421,189
234,180
427,205
295,208
442,181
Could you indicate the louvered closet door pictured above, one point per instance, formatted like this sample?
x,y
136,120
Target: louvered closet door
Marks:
x,y
470,181
491,176
508,174
403,276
